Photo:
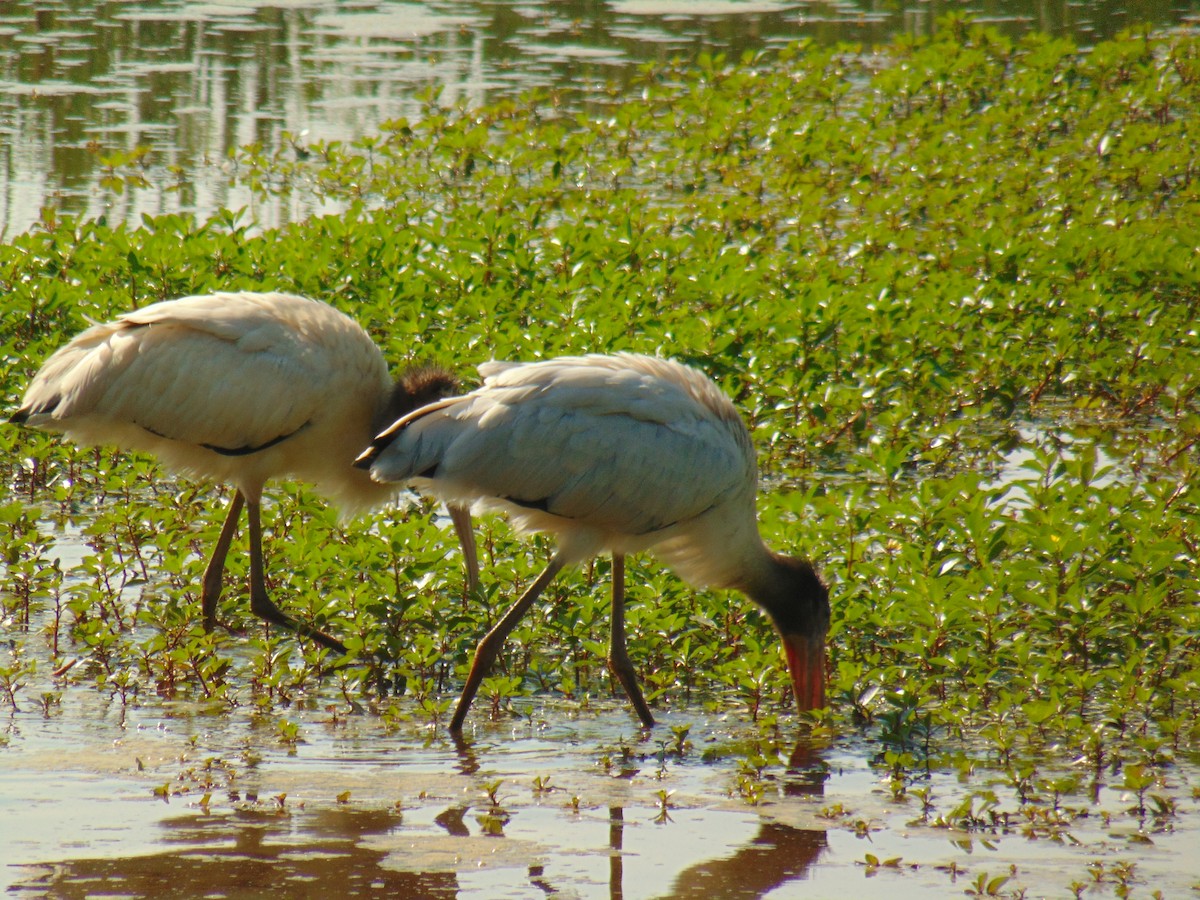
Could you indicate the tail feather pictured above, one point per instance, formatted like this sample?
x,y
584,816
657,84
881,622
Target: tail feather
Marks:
x,y
37,413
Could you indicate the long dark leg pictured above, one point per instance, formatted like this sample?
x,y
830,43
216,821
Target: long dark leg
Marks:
x,y
489,647
618,656
260,603
461,517
210,591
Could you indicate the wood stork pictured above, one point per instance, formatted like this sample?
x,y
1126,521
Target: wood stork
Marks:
x,y
239,388
611,453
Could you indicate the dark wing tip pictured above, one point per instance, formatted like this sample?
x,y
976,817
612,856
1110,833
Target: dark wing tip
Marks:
x,y
367,458
21,416
541,504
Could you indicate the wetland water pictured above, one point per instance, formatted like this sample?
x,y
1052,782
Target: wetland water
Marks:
x,y
354,810
153,798
82,82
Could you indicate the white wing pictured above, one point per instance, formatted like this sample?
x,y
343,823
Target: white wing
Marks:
x,y
229,371
621,444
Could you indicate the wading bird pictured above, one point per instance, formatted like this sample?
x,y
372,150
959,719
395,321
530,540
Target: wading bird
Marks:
x,y
238,388
611,453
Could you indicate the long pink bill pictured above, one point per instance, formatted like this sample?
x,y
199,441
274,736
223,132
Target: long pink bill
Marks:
x,y
806,661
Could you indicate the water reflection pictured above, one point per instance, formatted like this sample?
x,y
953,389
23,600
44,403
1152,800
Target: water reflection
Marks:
x,y
446,846
247,855
468,760
454,821
191,80
616,863
777,855
332,853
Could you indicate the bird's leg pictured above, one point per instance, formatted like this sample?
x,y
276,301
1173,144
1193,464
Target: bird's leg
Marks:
x,y
461,517
210,590
618,656
260,604
489,647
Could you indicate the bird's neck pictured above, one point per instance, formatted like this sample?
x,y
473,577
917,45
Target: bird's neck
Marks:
x,y
792,593
721,549
759,573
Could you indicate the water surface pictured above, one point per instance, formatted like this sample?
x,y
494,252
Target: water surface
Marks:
x,y
83,82
164,799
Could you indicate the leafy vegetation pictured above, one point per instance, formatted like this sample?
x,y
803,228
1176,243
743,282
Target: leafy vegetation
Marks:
x,y
954,289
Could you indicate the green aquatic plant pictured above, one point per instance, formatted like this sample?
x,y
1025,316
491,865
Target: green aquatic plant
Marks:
x,y
873,863
13,680
288,732
985,885
663,816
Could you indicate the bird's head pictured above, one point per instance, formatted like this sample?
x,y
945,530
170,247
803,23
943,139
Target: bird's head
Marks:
x,y
414,388
798,603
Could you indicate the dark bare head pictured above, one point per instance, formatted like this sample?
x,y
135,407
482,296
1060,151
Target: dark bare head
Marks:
x,y
414,388
798,603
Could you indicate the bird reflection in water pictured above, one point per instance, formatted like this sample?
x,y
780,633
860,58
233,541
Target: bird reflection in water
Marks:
x,y
250,854
776,855
342,851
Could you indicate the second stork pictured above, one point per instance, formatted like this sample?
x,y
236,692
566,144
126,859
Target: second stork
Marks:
x,y
612,453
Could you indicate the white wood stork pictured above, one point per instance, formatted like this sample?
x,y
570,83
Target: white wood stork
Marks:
x,y
611,453
238,388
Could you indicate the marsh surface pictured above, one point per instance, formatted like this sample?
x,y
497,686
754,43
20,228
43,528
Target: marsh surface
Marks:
x,y
83,86
167,802
976,403
104,795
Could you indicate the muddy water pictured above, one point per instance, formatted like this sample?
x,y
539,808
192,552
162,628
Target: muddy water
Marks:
x,y
166,800
83,82
417,821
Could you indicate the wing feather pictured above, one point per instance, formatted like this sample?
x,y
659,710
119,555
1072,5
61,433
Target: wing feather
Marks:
x,y
223,371
625,444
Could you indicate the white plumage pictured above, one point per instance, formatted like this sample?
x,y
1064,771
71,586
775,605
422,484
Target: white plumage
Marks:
x,y
239,388
611,453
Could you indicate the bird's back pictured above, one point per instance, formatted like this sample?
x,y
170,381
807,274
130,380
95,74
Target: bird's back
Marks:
x,y
613,452
230,386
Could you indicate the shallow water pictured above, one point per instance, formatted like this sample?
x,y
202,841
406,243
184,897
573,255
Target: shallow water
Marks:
x,y
172,800
166,798
85,81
